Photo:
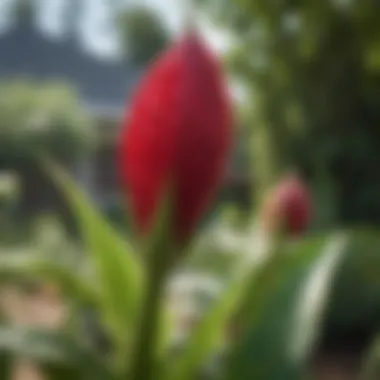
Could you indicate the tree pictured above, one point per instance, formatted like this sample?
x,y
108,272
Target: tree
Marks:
x,y
143,33
312,70
23,10
42,118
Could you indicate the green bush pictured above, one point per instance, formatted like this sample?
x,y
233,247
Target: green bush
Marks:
x,y
45,118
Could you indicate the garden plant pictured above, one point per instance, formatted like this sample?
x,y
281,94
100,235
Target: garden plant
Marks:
x,y
172,154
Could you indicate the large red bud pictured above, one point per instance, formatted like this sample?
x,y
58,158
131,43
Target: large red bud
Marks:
x,y
177,135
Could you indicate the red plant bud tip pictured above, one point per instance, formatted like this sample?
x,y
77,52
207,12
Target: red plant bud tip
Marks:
x,y
288,205
178,132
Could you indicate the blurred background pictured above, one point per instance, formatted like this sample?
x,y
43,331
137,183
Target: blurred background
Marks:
x,y
305,79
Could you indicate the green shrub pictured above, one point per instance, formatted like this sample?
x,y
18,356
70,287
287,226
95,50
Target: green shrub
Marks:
x,y
46,118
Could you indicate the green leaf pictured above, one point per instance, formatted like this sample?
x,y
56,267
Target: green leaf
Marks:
x,y
5,366
312,302
278,331
52,350
117,268
57,372
358,284
371,366
208,335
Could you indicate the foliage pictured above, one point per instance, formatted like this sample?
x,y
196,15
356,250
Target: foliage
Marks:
x,y
144,34
8,190
9,196
264,292
23,10
311,72
357,284
45,118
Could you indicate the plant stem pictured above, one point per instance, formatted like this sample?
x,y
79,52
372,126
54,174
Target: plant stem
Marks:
x,y
144,361
159,255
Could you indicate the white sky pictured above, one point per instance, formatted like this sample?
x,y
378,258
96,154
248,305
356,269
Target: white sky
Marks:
x,y
97,32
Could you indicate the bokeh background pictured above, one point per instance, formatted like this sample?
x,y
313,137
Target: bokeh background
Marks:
x,y
305,81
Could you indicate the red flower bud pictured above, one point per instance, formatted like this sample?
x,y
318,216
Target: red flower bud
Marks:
x,y
289,206
178,132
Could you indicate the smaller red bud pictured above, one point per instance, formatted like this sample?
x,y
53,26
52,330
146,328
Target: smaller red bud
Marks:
x,y
288,206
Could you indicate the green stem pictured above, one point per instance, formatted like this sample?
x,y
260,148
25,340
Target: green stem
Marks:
x,y
159,256
144,361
